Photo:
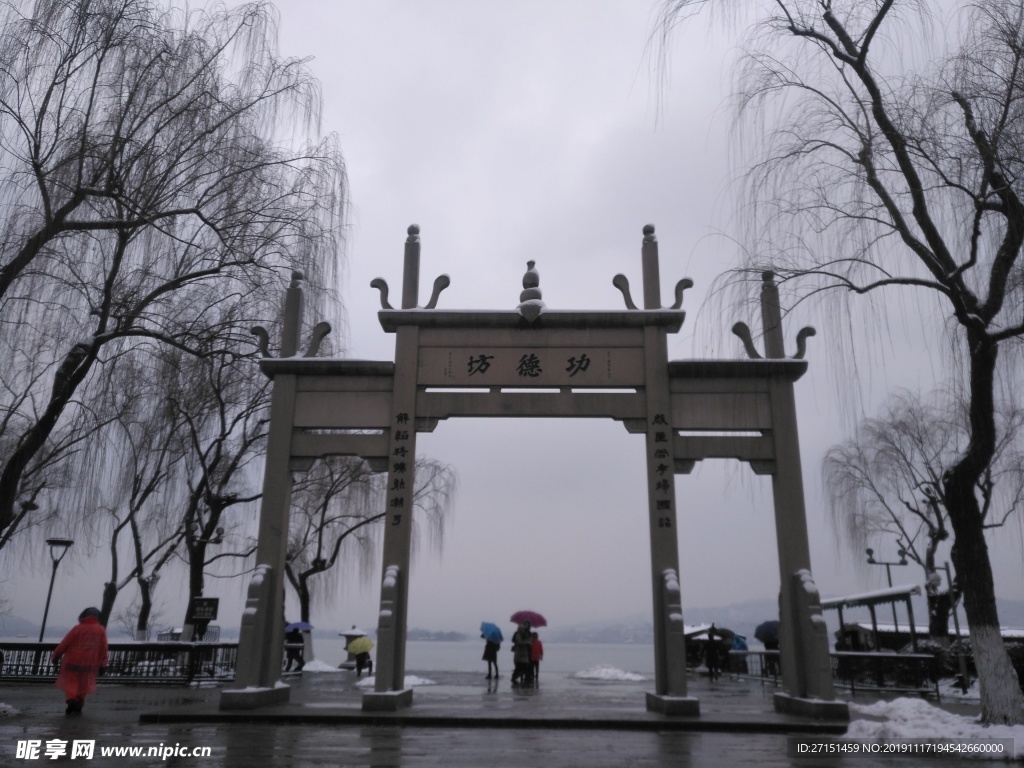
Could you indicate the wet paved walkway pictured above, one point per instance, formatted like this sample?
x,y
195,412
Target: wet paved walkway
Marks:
x,y
458,722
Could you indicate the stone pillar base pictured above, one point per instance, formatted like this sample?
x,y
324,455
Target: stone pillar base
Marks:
x,y
252,698
819,709
687,706
389,701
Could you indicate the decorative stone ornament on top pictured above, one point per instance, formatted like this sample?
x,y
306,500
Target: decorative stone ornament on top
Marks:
x,y
770,294
530,302
292,327
651,277
411,277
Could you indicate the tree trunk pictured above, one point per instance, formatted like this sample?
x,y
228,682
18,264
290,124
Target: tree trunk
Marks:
x,y
939,606
73,369
196,581
107,606
145,608
1001,698
304,598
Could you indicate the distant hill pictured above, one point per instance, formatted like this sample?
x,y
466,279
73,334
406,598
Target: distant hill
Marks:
x,y
739,617
426,634
13,626
637,628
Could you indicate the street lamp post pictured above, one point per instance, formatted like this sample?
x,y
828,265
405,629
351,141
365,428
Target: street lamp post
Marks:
x,y
888,575
58,548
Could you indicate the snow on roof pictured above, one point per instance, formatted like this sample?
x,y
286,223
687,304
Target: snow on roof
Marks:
x,y
919,629
888,595
1008,633
354,632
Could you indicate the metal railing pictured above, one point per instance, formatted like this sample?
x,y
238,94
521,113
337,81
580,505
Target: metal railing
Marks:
x,y
139,663
873,671
881,671
758,665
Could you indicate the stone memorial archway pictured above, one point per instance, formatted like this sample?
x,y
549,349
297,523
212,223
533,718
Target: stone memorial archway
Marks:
x,y
588,364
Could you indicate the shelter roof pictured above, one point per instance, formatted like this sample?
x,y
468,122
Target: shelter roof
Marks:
x,y
878,597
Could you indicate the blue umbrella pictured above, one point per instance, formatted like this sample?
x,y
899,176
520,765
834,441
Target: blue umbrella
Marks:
x,y
302,626
491,632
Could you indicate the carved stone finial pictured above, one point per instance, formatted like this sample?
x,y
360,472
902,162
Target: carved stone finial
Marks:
x,y
440,283
297,277
801,341
262,339
649,233
414,233
743,331
681,286
531,283
621,282
532,278
320,330
381,285
530,302
771,318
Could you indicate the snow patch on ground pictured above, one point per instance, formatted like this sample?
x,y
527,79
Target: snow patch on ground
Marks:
x,y
917,719
6,710
319,666
606,672
411,681
951,691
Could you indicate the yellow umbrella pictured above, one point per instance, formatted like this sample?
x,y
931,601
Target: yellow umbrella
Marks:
x,y
360,645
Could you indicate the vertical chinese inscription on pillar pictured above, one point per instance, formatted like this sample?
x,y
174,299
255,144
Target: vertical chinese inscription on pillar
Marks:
x,y
661,470
400,455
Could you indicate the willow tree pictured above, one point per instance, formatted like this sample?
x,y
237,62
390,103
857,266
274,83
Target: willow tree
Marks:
x,y
126,507
886,482
338,510
223,405
157,167
888,149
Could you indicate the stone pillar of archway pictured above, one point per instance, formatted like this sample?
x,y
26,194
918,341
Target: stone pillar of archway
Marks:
x,y
803,642
261,635
389,688
669,695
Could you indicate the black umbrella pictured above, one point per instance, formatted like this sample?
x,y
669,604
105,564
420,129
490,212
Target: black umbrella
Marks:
x,y
724,634
767,632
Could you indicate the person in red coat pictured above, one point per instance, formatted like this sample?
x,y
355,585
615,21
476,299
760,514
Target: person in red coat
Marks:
x,y
82,655
536,657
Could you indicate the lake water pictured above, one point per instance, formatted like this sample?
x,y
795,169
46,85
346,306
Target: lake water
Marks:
x,y
561,658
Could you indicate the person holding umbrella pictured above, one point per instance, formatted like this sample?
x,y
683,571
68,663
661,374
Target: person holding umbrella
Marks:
x,y
493,637
711,656
294,647
768,633
361,648
522,644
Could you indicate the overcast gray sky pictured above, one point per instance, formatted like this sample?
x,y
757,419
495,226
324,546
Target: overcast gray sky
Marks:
x,y
540,130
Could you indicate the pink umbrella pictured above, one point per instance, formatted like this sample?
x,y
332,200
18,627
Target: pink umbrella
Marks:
x,y
535,619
